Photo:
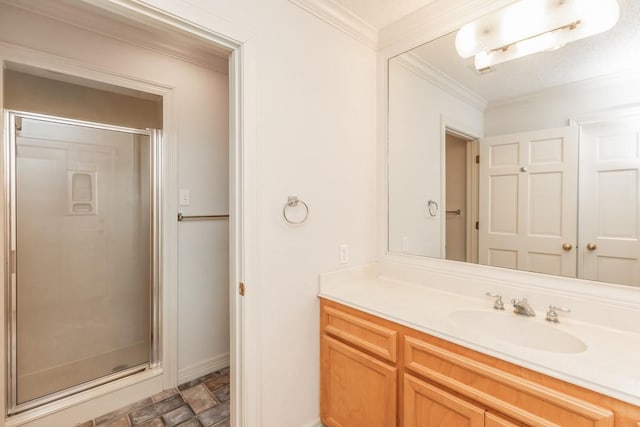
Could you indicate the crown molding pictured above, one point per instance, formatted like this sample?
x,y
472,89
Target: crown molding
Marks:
x,y
178,46
432,21
341,18
415,64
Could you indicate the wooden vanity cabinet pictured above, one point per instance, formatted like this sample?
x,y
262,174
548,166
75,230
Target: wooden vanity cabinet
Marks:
x,y
378,373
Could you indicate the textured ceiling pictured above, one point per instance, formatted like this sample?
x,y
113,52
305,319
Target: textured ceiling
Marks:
x,y
615,51
380,13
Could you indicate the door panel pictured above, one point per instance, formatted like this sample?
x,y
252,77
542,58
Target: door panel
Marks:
x,y
610,163
528,201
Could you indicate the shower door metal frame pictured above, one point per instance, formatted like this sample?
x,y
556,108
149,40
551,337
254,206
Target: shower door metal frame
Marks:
x,y
155,161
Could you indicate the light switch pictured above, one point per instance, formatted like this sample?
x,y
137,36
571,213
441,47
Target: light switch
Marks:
x,y
184,197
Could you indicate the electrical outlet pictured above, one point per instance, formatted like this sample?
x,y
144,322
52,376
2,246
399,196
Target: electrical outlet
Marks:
x,y
344,253
184,197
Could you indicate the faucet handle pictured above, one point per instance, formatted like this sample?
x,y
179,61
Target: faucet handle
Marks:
x,y
552,314
498,304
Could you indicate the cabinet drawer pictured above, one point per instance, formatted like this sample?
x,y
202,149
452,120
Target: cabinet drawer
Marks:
x,y
368,336
518,398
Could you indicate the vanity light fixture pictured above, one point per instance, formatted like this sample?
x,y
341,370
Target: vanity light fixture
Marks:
x,y
531,26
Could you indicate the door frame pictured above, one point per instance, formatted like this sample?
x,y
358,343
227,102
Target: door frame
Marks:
x,y
244,345
471,135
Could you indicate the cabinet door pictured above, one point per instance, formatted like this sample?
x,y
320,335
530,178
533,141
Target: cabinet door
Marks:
x,y
357,390
427,405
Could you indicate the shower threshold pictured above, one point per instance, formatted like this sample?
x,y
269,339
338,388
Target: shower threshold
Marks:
x,y
48,385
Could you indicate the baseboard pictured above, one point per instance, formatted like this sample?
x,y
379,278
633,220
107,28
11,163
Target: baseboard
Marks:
x,y
202,368
316,423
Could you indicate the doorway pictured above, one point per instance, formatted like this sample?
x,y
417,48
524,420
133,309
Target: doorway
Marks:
x,y
169,375
460,197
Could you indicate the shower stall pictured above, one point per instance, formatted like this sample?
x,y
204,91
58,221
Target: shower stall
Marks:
x,y
82,253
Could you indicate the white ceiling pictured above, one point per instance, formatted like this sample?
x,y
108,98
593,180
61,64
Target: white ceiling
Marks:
x,y
380,13
615,51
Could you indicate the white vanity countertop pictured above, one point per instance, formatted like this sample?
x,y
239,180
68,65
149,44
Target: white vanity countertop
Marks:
x,y
609,365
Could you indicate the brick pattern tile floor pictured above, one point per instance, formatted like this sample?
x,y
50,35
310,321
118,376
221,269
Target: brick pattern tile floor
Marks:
x,y
203,402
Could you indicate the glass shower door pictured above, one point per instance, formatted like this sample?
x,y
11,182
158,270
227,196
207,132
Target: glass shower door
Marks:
x,y
82,276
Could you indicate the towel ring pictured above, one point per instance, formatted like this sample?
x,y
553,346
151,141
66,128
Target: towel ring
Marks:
x,y
293,201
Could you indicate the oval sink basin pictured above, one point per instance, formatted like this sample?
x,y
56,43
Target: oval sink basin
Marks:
x,y
515,329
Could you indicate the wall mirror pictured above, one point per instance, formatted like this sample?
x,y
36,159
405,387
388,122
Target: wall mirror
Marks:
x,y
517,160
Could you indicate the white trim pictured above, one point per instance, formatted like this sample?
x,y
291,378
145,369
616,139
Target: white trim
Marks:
x,y
341,18
203,367
315,423
418,66
383,156
245,310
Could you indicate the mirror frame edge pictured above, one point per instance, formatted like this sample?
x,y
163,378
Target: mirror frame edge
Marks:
x,y
448,17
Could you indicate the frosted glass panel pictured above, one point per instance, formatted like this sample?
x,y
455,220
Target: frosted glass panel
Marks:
x,y
83,255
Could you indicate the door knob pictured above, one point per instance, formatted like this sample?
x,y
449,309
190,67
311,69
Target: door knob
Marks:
x,y
567,246
591,246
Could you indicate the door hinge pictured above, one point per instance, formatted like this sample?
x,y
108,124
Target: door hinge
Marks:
x,y
478,159
18,124
477,225
241,289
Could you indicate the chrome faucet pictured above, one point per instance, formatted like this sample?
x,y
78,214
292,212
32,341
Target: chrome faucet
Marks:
x,y
522,307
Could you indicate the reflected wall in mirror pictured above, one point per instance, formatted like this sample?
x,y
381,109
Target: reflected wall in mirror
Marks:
x,y
531,164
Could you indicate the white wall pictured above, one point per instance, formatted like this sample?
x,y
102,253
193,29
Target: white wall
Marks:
x,y
202,100
316,136
416,109
554,107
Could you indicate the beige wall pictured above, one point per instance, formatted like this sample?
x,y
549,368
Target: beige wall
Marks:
x,y
26,92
